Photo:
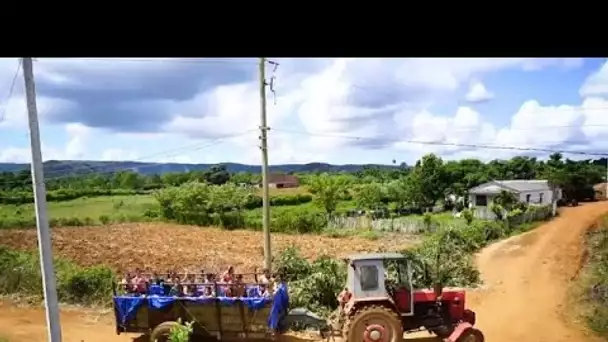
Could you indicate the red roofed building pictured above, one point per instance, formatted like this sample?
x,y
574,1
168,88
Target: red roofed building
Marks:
x,y
281,181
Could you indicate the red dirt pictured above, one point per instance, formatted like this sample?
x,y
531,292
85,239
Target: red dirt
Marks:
x,y
524,298
161,246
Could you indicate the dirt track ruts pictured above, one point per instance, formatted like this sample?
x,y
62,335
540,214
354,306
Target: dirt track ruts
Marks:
x,y
524,297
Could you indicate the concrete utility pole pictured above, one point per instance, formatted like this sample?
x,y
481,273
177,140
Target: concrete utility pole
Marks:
x,y
42,222
264,148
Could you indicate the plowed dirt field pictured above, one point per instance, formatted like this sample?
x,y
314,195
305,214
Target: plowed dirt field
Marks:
x,y
524,298
163,246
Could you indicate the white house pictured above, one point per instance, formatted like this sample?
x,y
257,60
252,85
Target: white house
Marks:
x,y
534,192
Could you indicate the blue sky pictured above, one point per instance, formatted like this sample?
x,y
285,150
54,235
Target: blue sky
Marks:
x,y
327,110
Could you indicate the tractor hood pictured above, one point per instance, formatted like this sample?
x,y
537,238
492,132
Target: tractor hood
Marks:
x,y
448,294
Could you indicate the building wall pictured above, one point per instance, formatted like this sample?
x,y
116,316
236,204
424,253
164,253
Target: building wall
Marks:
x,y
547,197
535,197
283,185
484,212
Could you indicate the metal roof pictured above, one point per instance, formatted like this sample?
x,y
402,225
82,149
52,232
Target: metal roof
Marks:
x,y
511,185
374,256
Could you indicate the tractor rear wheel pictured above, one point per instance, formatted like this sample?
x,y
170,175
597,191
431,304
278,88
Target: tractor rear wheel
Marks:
x,y
373,324
161,332
471,335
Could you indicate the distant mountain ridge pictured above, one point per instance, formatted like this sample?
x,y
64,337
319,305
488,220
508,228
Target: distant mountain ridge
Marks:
x,y
55,168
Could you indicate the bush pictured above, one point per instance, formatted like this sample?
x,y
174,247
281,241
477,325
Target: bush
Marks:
x,y
290,199
104,219
199,203
594,281
467,214
181,332
256,201
443,257
21,275
315,285
289,220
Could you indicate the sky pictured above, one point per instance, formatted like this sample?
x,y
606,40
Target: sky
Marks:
x,y
339,110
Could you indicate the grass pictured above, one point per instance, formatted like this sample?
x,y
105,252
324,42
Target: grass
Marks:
x,y
362,233
591,288
286,191
115,208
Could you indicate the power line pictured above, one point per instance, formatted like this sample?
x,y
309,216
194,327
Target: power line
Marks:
x,y
444,143
10,91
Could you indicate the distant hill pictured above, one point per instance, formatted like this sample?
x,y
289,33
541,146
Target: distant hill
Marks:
x,y
55,168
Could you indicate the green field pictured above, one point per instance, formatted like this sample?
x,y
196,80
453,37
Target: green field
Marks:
x,y
136,208
88,210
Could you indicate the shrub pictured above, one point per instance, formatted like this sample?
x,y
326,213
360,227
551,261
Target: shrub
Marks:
x,y
21,275
181,332
104,219
290,199
315,285
468,216
299,220
197,203
289,220
594,281
85,285
443,258
498,210
427,219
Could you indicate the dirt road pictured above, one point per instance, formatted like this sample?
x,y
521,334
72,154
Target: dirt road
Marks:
x,y
523,299
527,279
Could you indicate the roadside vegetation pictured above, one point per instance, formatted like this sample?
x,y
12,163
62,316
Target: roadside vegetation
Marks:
x,y
592,285
76,285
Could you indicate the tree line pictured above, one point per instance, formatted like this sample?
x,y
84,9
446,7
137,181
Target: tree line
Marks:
x,y
422,184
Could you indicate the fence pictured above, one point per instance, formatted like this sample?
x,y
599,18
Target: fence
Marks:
x,y
399,224
535,213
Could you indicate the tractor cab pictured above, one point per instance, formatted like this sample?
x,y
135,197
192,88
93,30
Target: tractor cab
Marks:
x,y
377,277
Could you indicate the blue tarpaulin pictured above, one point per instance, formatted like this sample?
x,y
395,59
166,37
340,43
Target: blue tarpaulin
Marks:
x,y
127,306
280,306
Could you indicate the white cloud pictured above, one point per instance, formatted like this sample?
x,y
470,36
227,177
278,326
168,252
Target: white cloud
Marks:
x,y
15,112
117,154
382,101
478,93
596,84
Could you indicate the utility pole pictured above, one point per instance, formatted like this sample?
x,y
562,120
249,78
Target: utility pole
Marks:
x,y
42,222
264,148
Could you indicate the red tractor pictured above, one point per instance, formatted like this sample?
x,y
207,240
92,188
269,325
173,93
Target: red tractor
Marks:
x,y
379,304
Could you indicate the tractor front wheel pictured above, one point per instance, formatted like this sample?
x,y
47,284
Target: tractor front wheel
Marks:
x,y
471,335
373,324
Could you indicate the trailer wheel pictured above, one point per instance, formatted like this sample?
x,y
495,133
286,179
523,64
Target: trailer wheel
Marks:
x,y
471,335
373,324
161,332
